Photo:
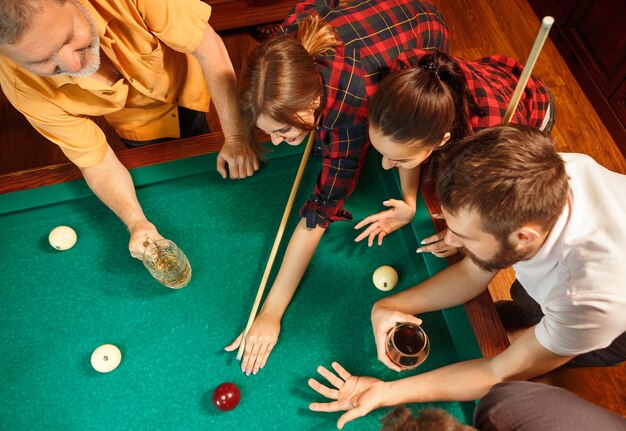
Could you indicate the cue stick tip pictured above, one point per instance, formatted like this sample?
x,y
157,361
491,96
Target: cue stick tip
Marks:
x,y
547,21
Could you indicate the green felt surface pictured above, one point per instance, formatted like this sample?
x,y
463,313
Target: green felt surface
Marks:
x,y
57,307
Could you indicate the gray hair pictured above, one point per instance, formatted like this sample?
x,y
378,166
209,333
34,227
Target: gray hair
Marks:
x,y
16,17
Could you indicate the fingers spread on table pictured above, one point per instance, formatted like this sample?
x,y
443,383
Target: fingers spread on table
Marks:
x,y
365,233
333,394
332,379
251,351
369,233
439,249
351,415
372,236
266,355
252,164
341,371
221,166
235,344
235,168
434,247
439,236
446,253
249,169
367,220
325,407
261,357
242,162
435,243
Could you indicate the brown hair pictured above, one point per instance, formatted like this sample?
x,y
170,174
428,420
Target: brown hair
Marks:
x,y
424,102
16,17
511,175
282,78
401,419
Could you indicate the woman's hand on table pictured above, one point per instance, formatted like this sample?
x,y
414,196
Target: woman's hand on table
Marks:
x,y
385,222
241,159
139,234
261,339
357,395
383,321
435,244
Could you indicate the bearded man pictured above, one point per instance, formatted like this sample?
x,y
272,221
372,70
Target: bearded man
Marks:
x,y
510,199
150,67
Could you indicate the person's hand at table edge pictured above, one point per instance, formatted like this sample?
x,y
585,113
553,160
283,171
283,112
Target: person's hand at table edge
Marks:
x,y
261,339
383,223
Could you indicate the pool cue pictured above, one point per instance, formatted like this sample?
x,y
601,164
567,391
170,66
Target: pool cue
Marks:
x,y
279,236
542,35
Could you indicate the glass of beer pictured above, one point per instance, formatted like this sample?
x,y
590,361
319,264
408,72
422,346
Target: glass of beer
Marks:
x,y
167,263
407,345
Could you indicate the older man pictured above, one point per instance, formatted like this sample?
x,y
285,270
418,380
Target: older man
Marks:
x,y
144,65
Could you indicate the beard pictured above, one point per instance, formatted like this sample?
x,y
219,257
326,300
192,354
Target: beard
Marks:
x,y
504,258
92,51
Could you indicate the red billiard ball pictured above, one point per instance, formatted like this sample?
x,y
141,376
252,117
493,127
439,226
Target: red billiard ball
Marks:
x,y
226,396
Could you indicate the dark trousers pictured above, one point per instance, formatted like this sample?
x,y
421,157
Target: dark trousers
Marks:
x,y
607,357
191,123
528,406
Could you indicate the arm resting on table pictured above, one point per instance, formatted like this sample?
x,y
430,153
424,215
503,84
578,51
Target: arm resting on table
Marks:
x,y
470,380
263,334
463,381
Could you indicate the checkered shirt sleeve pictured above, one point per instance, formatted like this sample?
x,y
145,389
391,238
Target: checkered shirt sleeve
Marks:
x,y
492,81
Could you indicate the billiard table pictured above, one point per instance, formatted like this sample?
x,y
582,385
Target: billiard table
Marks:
x,y
58,306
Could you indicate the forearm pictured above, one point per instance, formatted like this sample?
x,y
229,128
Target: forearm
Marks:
x,y
409,182
298,255
463,381
221,80
524,359
454,285
112,184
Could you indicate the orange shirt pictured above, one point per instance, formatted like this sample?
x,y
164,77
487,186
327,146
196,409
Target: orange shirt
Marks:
x,y
150,42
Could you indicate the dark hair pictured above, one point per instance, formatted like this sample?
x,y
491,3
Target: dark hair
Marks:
x,y
282,78
420,104
511,175
402,419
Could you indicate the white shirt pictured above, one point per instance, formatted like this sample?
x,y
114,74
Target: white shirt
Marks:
x,y
578,277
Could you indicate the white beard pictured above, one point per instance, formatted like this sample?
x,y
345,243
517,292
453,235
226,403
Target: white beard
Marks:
x,y
92,50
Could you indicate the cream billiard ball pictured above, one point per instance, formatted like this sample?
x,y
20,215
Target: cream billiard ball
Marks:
x,y
385,278
62,237
106,358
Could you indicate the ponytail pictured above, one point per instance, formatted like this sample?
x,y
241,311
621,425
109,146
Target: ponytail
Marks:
x,y
451,75
316,36
421,104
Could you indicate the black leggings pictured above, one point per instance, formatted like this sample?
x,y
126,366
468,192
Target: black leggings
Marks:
x,y
607,357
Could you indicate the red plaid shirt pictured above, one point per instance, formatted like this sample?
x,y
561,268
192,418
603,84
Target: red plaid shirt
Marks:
x,y
371,33
492,81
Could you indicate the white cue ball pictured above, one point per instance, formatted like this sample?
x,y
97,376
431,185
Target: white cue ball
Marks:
x,y
62,237
106,358
385,278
